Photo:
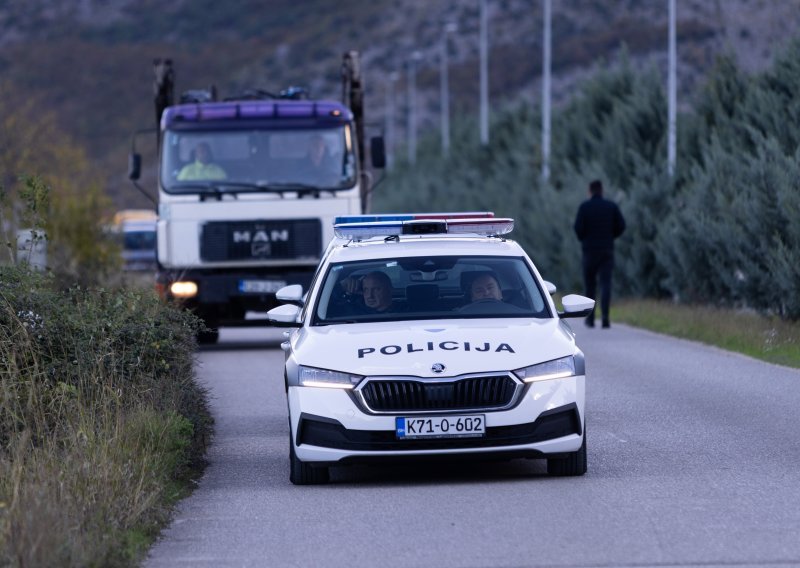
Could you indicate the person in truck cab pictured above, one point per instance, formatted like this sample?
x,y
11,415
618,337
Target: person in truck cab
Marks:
x,y
320,167
201,168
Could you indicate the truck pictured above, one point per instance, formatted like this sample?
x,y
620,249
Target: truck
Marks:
x,y
135,230
248,188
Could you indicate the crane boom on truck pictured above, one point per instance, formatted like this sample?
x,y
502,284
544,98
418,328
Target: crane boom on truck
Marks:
x,y
248,188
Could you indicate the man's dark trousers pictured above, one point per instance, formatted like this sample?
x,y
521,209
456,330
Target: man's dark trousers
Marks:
x,y
598,263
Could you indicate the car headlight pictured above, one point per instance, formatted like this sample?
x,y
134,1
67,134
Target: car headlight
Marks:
x,y
555,369
311,377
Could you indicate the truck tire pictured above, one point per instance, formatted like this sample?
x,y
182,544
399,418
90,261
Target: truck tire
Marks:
x,y
301,473
572,465
208,336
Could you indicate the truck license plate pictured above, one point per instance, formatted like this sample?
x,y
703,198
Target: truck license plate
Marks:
x,y
440,426
260,286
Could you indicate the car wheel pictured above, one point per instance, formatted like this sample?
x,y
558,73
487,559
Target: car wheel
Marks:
x,y
572,465
301,473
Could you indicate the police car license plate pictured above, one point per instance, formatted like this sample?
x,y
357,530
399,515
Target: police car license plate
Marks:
x,y
408,428
260,286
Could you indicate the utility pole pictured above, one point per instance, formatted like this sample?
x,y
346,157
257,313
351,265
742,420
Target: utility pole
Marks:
x,y
546,64
390,118
484,55
672,88
449,28
412,106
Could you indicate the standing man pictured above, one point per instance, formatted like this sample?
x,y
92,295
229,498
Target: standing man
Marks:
x,y
598,223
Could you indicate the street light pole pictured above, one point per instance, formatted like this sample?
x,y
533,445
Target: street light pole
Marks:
x,y
412,106
672,87
546,63
484,55
449,28
390,118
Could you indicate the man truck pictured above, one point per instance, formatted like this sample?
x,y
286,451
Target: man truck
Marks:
x,y
248,188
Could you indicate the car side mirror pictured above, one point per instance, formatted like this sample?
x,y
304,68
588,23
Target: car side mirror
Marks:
x,y
134,166
284,316
377,152
576,306
292,294
550,287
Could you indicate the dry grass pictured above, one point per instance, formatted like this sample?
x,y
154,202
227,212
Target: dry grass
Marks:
x,y
100,420
767,338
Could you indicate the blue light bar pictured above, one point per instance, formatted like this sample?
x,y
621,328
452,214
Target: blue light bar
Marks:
x,y
239,110
411,217
485,226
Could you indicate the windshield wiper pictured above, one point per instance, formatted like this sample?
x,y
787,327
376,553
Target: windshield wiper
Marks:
x,y
218,188
336,322
299,187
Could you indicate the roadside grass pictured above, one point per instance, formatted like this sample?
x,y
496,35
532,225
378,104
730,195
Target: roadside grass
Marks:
x,y
102,425
767,338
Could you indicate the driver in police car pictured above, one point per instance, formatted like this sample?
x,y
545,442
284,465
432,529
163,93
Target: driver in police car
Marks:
x,y
485,287
376,290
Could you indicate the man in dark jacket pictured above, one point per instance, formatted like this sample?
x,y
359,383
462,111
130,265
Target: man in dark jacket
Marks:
x,y
598,223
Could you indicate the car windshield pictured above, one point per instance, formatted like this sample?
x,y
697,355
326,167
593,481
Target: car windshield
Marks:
x,y
258,160
139,240
429,288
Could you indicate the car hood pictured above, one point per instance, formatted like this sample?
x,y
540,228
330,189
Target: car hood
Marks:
x,y
414,348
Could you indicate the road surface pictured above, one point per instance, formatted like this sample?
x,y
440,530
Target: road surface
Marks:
x,y
694,460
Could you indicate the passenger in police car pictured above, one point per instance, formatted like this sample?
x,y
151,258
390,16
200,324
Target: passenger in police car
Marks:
x,y
485,296
485,287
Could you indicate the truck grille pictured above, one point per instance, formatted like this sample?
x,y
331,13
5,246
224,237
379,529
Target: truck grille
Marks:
x,y
270,239
460,394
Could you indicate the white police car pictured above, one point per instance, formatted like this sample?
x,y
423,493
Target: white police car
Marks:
x,y
430,335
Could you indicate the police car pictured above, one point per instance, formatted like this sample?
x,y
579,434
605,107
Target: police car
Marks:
x,y
430,335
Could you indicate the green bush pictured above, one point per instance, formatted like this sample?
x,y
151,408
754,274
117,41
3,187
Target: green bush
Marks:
x,y
99,417
722,230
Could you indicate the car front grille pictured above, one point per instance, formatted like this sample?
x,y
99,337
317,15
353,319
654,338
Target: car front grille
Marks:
x,y
394,395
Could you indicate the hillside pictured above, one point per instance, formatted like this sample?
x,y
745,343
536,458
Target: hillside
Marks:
x,y
89,60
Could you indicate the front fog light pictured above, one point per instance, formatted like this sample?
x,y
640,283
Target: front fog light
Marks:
x,y
311,377
555,369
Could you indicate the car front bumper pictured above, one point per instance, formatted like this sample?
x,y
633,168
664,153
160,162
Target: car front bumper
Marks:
x,y
329,426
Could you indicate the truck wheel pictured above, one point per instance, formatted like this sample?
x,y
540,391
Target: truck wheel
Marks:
x,y
301,473
207,337
572,465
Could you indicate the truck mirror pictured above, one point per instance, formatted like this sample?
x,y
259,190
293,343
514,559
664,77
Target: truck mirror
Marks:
x,y
377,151
134,166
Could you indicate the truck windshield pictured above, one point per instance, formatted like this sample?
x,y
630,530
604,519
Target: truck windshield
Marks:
x,y
258,160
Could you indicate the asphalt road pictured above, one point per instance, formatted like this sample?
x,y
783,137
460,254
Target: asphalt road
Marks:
x,y
694,460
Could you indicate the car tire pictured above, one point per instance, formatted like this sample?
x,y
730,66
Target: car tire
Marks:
x,y
301,473
572,465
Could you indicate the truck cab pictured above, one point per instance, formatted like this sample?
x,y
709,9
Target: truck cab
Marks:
x,y
247,192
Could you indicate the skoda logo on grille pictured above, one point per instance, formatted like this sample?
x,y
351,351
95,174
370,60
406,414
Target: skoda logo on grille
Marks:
x,y
438,368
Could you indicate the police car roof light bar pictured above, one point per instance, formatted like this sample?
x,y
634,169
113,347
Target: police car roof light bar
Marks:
x,y
411,217
487,227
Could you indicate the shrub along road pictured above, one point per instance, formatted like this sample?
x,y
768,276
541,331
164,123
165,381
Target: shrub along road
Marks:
x,y
693,457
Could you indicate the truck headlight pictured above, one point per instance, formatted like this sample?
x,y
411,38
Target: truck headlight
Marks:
x,y
311,377
183,289
555,369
